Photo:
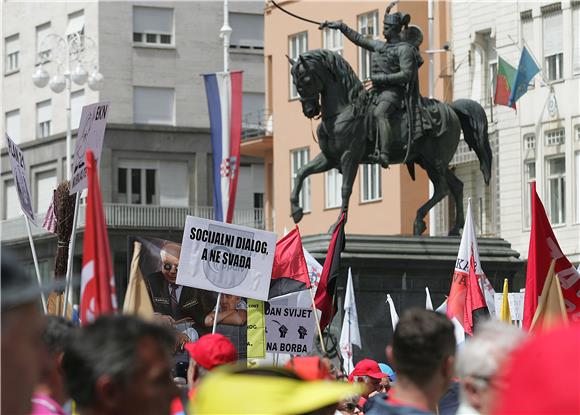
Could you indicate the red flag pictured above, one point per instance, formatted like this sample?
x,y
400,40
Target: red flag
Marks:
x,y
289,271
97,280
475,306
327,285
542,249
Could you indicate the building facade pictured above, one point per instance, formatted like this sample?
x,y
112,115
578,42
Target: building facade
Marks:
x,y
156,162
540,140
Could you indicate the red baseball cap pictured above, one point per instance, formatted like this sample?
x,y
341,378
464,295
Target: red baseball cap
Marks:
x,y
309,368
367,367
212,350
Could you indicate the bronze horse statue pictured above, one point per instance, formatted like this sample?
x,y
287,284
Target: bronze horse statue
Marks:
x,y
329,88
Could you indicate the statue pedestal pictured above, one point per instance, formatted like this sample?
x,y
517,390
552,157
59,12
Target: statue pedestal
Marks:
x,y
403,266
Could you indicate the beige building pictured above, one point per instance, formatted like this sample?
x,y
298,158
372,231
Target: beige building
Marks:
x,y
383,201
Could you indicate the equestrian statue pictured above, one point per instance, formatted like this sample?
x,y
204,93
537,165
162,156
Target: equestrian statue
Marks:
x,y
389,123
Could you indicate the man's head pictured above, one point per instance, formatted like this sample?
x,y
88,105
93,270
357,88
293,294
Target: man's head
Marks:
x,y
121,364
22,325
170,261
393,24
209,352
367,371
479,360
423,350
55,338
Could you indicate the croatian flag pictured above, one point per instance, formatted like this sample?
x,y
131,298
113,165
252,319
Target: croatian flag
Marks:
x,y
224,100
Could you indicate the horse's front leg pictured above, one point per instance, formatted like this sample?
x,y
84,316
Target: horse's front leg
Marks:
x,y
319,164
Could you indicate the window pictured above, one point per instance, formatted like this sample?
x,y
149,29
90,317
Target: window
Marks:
x,y
553,38
299,159
76,24
253,121
484,63
530,177
576,38
45,184
297,44
530,141
12,47
368,25
527,33
577,158
11,204
77,101
555,137
153,105
42,44
371,182
332,39
333,188
247,31
12,123
577,132
137,186
43,117
152,25
556,178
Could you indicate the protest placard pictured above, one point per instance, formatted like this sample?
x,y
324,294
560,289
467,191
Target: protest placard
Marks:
x,y
516,301
256,330
289,330
226,258
89,136
18,166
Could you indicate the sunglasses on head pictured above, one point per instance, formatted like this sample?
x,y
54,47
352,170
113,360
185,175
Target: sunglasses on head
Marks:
x,y
167,267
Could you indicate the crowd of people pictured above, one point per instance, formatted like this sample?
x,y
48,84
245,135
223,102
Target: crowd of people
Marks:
x,y
123,365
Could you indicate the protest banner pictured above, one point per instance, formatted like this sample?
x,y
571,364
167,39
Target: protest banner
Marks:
x,y
226,258
18,166
89,136
191,310
516,302
289,330
256,330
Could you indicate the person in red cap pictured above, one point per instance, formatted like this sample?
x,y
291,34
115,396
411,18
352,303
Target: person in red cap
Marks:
x,y
310,367
368,372
210,351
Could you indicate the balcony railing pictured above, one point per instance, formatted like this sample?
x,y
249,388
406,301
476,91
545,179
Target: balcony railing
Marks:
x,y
256,124
126,216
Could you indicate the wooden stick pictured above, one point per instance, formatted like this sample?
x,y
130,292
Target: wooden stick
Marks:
x,y
35,259
217,311
317,322
71,253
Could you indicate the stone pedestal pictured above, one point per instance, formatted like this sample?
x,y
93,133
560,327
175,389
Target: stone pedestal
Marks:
x,y
403,266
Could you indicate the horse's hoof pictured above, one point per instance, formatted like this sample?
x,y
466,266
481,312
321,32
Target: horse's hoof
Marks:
x,y
419,227
297,214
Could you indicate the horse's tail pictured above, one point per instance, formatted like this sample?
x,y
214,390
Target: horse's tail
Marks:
x,y
474,125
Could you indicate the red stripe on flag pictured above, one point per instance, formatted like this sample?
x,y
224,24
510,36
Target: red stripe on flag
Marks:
x,y
235,139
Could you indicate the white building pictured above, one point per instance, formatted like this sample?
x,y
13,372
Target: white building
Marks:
x,y
156,161
541,140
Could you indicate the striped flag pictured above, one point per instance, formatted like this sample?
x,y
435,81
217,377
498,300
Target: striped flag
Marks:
x,y
503,84
224,101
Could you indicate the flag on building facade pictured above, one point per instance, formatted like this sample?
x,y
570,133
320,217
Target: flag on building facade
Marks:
x,y
504,81
475,306
224,100
98,294
350,334
324,298
542,250
289,270
468,254
505,314
527,69
393,311
137,300
551,309
428,302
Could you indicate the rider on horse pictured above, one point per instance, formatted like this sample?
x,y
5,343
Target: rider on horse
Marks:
x,y
394,73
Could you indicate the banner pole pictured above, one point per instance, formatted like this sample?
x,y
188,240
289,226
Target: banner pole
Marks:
x,y
71,252
317,321
217,311
35,259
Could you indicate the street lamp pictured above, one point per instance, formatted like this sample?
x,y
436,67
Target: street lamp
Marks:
x,y
72,54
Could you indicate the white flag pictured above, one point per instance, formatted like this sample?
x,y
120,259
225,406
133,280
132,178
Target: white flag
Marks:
x,y
428,303
394,315
350,334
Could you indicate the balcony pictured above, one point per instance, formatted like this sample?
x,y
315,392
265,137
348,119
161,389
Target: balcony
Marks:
x,y
256,124
125,216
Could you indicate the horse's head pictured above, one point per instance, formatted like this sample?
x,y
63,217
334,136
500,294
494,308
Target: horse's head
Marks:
x,y
308,84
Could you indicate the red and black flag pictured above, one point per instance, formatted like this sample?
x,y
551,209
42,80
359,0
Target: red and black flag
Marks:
x,y
289,271
324,299
475,305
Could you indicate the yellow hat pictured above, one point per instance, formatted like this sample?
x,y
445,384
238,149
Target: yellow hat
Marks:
x,y
271,392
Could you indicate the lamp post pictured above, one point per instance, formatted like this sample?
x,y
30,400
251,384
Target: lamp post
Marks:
x,y
74,50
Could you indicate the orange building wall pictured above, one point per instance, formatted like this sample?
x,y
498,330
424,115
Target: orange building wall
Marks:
x,y
401,197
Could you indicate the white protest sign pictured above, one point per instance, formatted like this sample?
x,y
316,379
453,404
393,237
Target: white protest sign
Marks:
x,y
289,330
226,258
89,136
516,301
18,166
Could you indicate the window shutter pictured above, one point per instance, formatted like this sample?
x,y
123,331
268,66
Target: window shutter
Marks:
x,y
152,20
12,44
41,32
43,111
247,29
77,101
76,22
153,105
553,33
576,40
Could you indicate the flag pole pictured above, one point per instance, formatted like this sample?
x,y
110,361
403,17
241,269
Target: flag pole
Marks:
x,y
217,311
317,321
35,259
71,253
